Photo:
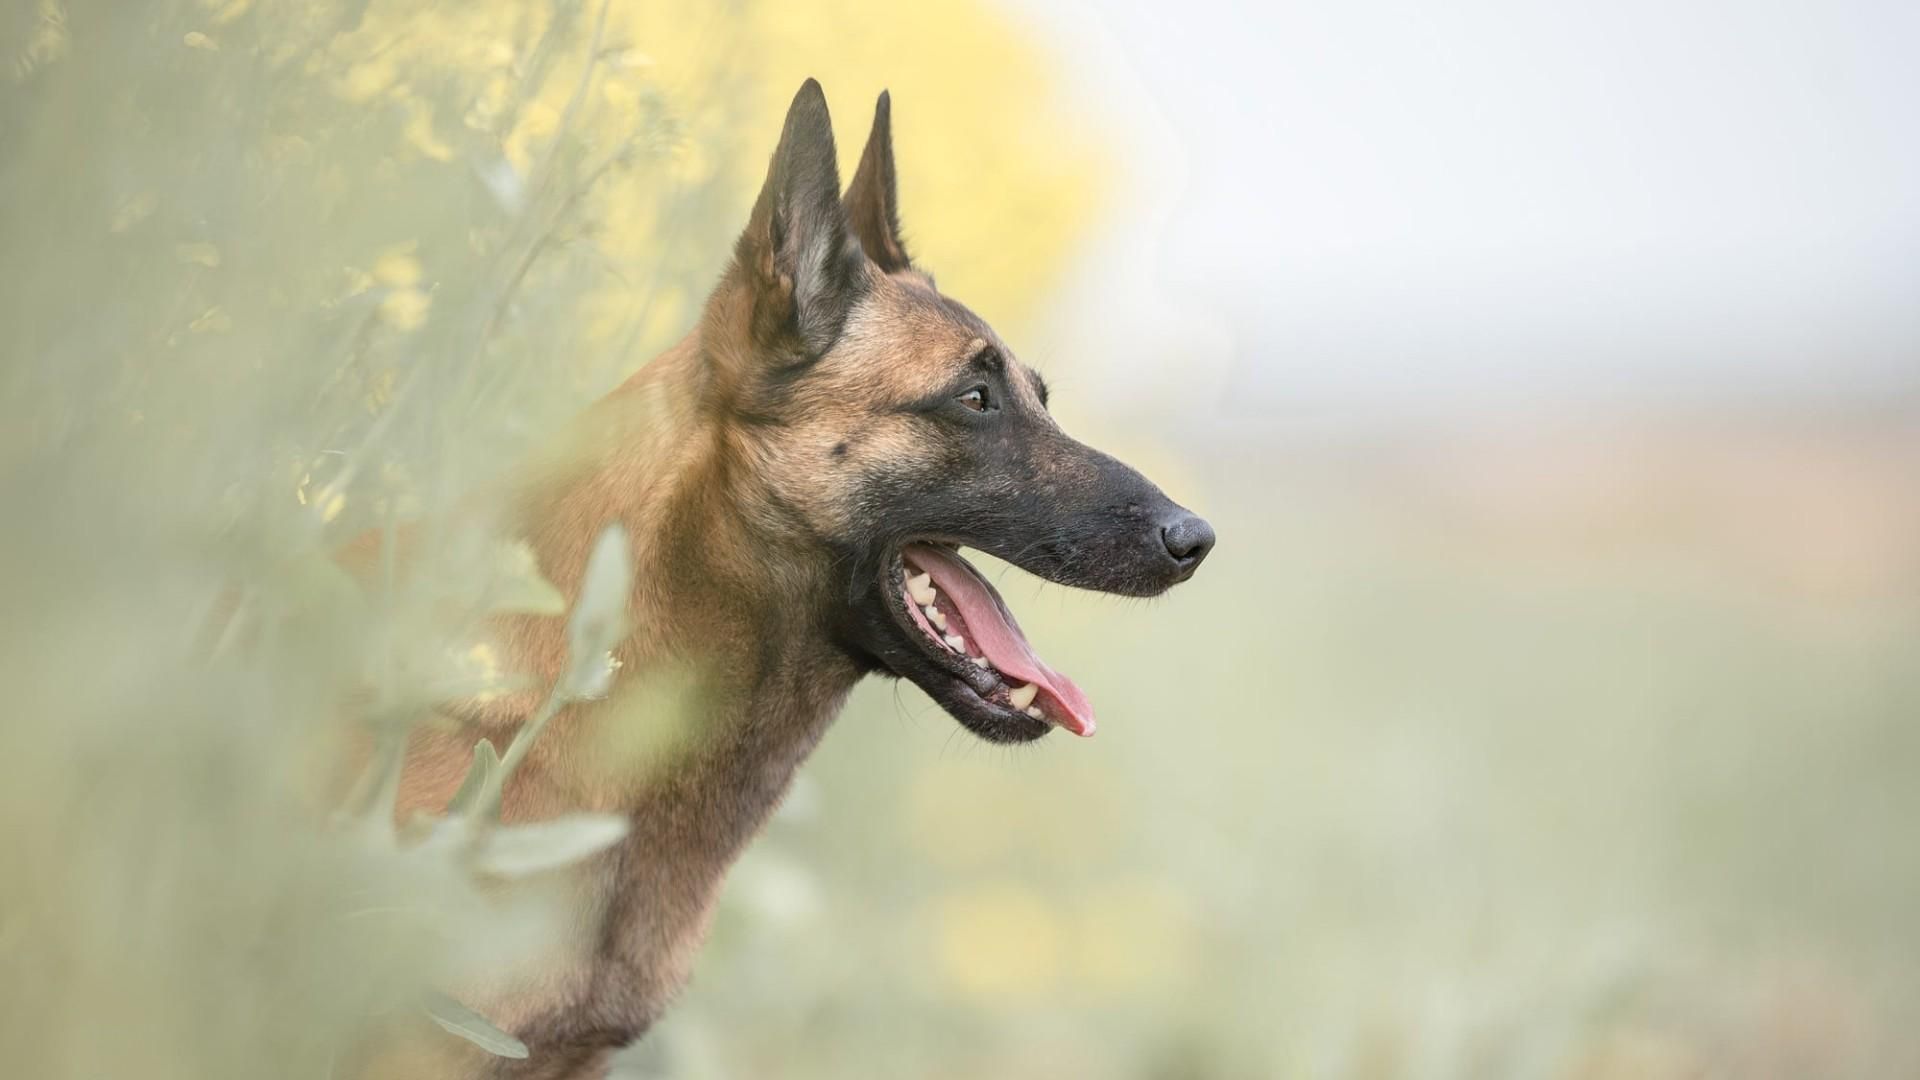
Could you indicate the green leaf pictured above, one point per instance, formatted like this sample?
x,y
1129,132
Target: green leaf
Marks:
x,y
520,850
599,622
473,1027
485,764
600,615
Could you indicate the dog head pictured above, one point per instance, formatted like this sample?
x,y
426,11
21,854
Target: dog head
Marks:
x,y
889,427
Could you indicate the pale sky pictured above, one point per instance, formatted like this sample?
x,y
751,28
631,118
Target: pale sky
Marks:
x,y
1348,204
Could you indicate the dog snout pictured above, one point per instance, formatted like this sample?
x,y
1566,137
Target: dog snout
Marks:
x,y
1188,538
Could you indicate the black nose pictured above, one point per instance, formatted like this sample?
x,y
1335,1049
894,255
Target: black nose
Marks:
x,y
1188,538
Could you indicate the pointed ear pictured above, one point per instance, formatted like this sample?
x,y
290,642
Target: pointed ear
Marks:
x,y
872,203
797,252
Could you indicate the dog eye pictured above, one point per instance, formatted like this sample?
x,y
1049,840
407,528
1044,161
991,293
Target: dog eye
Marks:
x,y
975,399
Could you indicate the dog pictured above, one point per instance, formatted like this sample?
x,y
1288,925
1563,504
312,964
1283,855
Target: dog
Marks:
x,y
798,477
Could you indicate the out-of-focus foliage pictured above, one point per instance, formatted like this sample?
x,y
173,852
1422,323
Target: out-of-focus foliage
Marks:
x,y
385,189
1464,756
282,273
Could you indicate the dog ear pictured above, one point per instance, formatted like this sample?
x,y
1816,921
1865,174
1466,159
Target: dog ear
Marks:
x,y
797,251
872,202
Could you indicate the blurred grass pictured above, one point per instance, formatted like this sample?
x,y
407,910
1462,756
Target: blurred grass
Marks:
x,y
1561,754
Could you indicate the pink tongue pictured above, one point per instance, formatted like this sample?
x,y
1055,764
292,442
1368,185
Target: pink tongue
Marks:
x,y
991,629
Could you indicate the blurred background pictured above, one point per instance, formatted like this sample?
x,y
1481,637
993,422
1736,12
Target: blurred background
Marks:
x,y
1551,374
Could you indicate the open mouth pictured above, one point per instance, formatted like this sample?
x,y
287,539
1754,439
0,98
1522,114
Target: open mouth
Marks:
x,y
966,627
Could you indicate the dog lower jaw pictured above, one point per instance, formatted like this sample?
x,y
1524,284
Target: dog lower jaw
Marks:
x,y
977,697
987,719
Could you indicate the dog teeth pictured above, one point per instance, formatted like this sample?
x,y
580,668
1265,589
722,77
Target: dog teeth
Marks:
x,y
920,587
1034,711
955,642
1023,696
981,663
936,617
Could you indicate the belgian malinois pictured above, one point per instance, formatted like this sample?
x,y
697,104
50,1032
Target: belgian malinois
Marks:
x,y
798,477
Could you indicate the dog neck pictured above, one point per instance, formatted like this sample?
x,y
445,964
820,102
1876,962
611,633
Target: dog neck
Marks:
x,y
724,610
726,683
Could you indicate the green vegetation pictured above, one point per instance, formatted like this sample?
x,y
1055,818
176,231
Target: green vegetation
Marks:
x,y
1438,769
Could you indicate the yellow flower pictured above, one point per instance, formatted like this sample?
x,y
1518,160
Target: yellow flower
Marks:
x,y
397,268
364,81
405,309
419,131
